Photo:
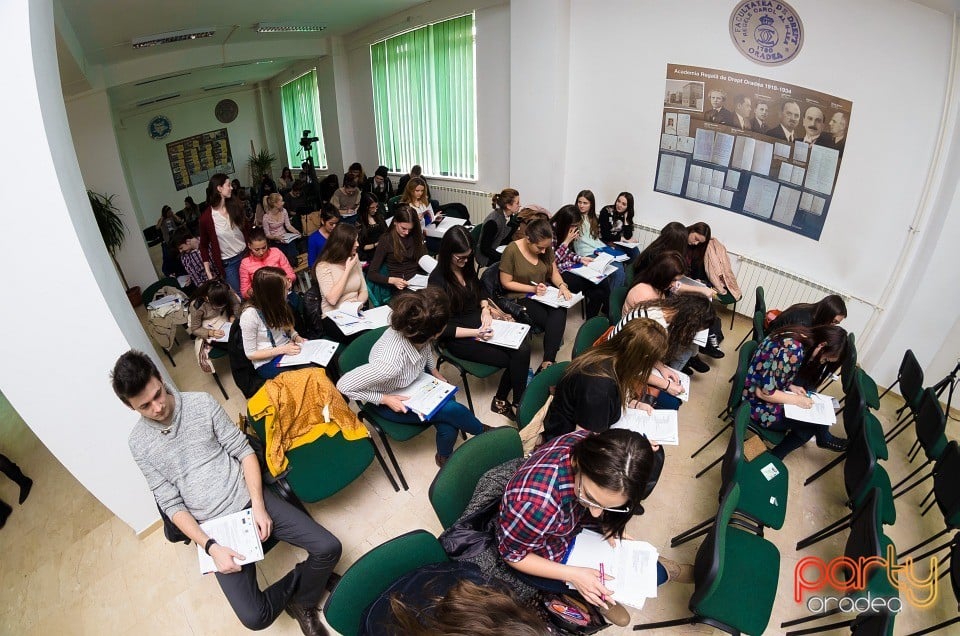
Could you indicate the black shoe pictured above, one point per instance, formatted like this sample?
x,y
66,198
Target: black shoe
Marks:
x,y
686,369
712,351
309,619
504,408
833,443
5,511
25,485
441,461
697,364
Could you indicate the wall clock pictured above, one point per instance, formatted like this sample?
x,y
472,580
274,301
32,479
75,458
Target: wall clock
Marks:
x,y
159,127
226,111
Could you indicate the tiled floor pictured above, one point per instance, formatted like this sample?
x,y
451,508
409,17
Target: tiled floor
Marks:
x,y
71,567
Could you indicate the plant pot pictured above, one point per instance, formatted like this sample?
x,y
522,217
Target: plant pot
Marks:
x,y
135,296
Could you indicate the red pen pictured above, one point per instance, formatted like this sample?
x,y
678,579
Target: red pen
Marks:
x,y
603,579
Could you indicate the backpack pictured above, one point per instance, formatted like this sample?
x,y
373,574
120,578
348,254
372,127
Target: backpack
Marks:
x,y
244,374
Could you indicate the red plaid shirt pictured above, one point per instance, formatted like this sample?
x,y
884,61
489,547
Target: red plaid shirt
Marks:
x,y
566,257
539,513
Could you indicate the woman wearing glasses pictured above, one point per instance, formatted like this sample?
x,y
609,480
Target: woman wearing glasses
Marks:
x,y
577,478
471,317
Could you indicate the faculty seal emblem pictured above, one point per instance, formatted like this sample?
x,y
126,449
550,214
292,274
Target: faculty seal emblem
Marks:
x,y
766,31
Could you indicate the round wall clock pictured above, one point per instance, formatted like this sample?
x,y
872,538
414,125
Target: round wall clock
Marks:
x,y
159,127
226,111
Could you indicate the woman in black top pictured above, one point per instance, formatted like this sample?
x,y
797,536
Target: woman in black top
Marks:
x,y
370,225
498,227
471,315
829,311
400,250
616,224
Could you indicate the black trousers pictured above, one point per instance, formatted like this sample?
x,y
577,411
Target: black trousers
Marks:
x,y
303,585
597,296
514,362
552,320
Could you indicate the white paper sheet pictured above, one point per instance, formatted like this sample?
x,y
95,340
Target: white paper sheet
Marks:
x,y
683,126
761,196
660,428
703,147
785,209
820,413
315,351
236,531
426,395
822,169
508,334
632,564
552,298
371,319
733,180
762,157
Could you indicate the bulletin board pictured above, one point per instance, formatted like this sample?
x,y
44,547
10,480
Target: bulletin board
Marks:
x,y
193,160
756,147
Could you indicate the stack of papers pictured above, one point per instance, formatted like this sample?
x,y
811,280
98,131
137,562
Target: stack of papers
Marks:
x,y
184,280
598,269
289,237
418,282
426,395
437,230
552,298
632,564
224,327
427,263
508,334
660,428
700,338
351,323
237,532
311,351
684,383
820,413
163,301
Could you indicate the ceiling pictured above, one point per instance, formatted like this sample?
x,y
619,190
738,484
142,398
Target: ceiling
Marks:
x,y
95,51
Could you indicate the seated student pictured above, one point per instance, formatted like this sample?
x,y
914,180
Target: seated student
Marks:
x,y
276,223
214,303
683,315
267,323
831,310
655,281
416,172
399,249
616,224
340,277
168,224
189,247
578,479
497,228
673,238
347,198
453,597
471,315
415,195
523,218
528,264
589,242
399,357
285,182
380,186
329,218
566,230
370,225
260,254
605,379
190,214
707,262
206,470
772,376
356,169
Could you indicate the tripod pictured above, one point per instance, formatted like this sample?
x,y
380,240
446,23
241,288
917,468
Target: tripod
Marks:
x,y
949,380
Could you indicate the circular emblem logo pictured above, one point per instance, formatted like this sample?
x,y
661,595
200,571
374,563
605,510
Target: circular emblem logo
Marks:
x,y
159,127
766,31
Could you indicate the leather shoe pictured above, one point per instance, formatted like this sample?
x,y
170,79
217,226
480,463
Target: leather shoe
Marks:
x,y
699,365
832,442
712,351
5,511
440,460
25,485
679,572
616,614
309,619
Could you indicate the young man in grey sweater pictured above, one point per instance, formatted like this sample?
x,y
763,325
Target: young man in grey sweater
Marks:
x,y
199,466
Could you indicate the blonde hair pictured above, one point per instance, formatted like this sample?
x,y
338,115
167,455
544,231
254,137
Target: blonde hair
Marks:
x,y
274,201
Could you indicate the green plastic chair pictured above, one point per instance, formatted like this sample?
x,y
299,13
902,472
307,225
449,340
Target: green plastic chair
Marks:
x,y
374,572
930,426
736,392
729,299
475,232
763,502
356,354
325,466
736,574
453,486
378,294
392,204
588,333
760,304
465,368
946,492
618,296
538,391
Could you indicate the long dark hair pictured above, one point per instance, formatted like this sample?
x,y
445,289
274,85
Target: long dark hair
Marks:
x,y
338,247
421,316
269,295
822,312
629,212
691,313
592,217
834,339
618,460
404,213
695,253
457,241
673,238
539,230
218,294
565,217
661,272
234,211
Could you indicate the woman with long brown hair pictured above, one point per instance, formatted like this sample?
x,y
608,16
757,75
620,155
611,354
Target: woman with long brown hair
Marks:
x,y
340,276
415,195
223,230
266,323
399,249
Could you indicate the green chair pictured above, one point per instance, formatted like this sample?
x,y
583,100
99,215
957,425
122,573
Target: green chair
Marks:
x,y
760,305
465,368
378,294
931,424
392,203
326,465
729,299
618,296
214,354
910,377
763,501
374,572
946,492
356,354
588,333
453,486
736,573
538,391
475,232
736,392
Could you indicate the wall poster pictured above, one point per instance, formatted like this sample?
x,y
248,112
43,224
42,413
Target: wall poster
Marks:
x,y
757,147
195,159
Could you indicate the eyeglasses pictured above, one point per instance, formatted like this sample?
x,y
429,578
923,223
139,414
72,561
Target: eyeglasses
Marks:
x,y
462,258
587,503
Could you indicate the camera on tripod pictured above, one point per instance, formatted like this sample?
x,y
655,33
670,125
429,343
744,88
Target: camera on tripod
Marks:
x,y
307,141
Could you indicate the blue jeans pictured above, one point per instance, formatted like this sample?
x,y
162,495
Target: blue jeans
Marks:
x,y
231,269
560,587
452,418
270,370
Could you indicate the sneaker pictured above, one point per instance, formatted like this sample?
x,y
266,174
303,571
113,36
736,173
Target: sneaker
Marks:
x,y
308,618
697,364
616,614
832,442
712,351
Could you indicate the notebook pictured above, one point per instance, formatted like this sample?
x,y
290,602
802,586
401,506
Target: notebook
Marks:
x,y
427,395
238,532
632,564
311,351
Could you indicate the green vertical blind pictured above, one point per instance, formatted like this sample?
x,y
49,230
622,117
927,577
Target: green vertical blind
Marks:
x,y
423,95
300,103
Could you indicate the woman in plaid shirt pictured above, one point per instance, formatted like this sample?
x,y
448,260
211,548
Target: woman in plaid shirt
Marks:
x,y
566,229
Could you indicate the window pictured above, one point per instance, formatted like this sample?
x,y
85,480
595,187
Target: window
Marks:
x,y
423,99
300,104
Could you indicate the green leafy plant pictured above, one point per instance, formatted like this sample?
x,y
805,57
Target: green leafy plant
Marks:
x,y
260,164
111,226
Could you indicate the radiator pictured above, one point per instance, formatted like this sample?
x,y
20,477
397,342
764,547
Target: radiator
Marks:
x,y
479,203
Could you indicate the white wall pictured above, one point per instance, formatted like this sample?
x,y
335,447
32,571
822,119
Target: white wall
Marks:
x,y
55,372
148,167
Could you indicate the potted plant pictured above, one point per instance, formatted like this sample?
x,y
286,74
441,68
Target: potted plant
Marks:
x,y
259,164
114,233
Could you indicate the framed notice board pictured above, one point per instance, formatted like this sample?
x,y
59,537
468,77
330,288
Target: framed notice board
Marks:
x,y
193,160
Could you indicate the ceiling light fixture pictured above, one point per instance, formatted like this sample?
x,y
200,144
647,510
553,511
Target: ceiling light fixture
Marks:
x,y
172,36
280,27
217,87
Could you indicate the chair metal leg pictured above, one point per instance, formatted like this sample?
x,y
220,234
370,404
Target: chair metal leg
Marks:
x,y
824,533
922,543
899,428
712,464
887,390
745,338
912,454
167,351
820,473
682,537
811,617
912,486
910,476
692,620
466,389
383,466
733,314
691,537
220,384
926,497
712,439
